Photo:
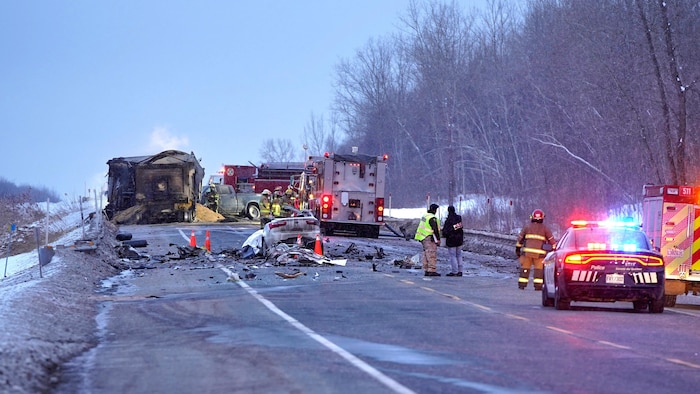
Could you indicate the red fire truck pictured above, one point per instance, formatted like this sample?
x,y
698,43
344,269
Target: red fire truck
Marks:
x,y
671,219
346,193
254,179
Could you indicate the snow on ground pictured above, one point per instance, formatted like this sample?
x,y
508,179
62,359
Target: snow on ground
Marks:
x,y
65,217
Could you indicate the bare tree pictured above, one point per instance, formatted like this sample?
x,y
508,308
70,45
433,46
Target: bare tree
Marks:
x,y
321,136
280,150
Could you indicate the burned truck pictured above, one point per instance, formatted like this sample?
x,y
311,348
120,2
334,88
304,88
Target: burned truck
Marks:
x,y
155,189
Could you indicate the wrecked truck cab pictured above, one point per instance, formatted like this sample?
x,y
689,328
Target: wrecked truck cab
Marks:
x,y
289,229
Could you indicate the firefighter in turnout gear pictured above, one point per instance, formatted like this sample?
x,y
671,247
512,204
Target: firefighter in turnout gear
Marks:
x,y
428,233
530,249
265,207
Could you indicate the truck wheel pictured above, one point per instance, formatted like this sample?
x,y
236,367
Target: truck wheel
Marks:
x,y
253,212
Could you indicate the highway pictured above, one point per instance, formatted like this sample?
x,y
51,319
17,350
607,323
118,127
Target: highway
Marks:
x,y
185,326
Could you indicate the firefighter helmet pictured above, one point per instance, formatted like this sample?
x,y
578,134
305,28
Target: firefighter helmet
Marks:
x,y
537,214
266,192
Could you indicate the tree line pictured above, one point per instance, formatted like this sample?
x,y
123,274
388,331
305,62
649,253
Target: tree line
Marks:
x,y
566,105
12,194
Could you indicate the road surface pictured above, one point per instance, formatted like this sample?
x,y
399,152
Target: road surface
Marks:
x,y
185,326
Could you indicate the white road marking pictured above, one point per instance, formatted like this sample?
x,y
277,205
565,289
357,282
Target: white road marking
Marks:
x,y
361,365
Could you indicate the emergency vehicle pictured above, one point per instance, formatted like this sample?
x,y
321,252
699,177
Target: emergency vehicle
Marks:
x,y
252,179
671,219
346,192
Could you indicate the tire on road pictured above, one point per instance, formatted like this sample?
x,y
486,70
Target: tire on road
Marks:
x,y
546,300
560,303
252,211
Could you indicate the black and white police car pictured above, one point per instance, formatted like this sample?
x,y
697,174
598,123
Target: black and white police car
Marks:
x,y
604,261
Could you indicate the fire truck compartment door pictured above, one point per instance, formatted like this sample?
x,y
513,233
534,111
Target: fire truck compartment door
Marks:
x,y
344,198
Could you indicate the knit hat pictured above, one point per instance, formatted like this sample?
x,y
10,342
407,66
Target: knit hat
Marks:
x,y
451,209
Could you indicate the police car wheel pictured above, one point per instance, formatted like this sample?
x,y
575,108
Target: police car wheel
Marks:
x,y
546,301
640,306
560,303
657,306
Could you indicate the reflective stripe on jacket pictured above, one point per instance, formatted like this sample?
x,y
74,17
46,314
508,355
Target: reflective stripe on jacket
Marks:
x,y
424,229
533,237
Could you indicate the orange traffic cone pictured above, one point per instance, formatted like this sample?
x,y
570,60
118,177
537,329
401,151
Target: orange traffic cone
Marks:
x,y
299,239
207,242
193,240
318,249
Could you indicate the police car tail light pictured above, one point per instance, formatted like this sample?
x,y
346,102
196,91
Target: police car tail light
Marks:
x,y
326,204
574,259
652,261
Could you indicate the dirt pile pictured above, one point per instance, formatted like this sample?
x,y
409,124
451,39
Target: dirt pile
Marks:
x,y
134,214
206,215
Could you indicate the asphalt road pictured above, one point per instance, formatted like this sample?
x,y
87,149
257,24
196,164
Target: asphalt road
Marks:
x,y
184,327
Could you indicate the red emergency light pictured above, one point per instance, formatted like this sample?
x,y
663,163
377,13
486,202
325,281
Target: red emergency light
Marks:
x,y
385,157
326,204
379,210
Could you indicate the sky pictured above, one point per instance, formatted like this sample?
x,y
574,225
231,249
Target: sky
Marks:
x,y
85,81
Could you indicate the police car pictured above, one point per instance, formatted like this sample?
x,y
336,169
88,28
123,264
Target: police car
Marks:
x,y
604,261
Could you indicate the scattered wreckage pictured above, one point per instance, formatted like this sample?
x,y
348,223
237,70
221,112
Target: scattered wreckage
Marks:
x,y
160,188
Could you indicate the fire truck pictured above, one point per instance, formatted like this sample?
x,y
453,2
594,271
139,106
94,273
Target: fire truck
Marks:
x,y
255,179
671,219
346,193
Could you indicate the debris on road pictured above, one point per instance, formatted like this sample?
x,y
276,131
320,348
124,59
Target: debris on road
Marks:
x,y
284,275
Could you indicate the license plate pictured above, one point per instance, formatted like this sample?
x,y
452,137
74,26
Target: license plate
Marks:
x,y
616,279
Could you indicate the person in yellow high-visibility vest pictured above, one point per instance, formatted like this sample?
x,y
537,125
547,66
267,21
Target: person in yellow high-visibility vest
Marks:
x,y
265,208
428,233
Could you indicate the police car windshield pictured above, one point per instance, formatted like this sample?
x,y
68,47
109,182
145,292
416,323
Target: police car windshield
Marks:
x,y
615,239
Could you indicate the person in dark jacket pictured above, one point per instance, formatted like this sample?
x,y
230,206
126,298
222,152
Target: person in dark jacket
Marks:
x,y
454,239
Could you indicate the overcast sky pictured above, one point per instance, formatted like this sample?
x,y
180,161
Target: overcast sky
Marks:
x,y
86,81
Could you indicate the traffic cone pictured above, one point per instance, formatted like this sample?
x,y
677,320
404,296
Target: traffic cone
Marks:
x,y
318,249
299,239
193,240
207,242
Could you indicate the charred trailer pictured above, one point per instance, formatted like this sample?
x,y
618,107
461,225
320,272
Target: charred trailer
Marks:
x,y
346,193
671,219
164,187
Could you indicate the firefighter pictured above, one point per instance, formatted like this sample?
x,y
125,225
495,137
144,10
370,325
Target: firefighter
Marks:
x,y
265,207
530,249
428,233
277,202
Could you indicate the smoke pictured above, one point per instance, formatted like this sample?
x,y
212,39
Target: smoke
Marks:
x,y
162,139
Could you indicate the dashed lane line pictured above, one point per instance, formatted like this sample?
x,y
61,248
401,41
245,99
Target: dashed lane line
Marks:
x,y
349,357
557,329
